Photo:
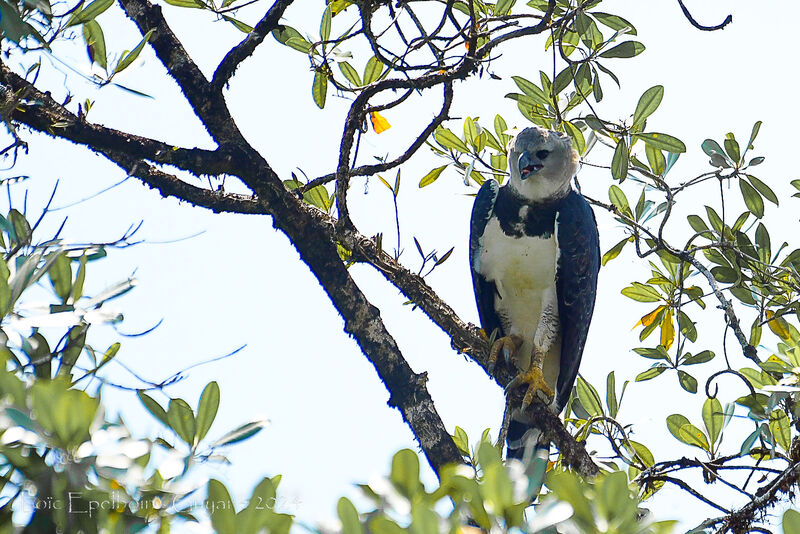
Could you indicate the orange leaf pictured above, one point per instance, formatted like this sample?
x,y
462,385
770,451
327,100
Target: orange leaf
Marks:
x,y
667,330
648,319
379,123
778,326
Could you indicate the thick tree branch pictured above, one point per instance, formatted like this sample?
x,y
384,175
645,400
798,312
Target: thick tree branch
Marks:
x,y
171,186
243,50
39,111
207,103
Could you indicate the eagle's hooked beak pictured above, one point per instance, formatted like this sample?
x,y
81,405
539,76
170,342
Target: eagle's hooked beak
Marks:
x,y
528,165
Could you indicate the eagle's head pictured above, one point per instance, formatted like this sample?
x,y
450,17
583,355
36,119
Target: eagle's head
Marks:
x,y
542,163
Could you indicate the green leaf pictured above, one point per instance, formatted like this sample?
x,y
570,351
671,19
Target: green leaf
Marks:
x,y
614,22
648,103
503,7
752,199
290,37
197,4
618,198
700,357
763,188
405,473
680,427
350,73
791,522
384,525
577,137
95,43
207,409
716,221
713,417
642,293
781,429
697,223
325,24
658,353
449,140
432,176
220,508
656,159
764,243
753,135
90,12
131,56
611,395
373,70
319,89
662,141
732,149
624,50
461,440
238,24
348,515
588,397
687,381
181,420
615,251
153,407
619,163
80,278
241,433
651,373
532,90
60,274
471,133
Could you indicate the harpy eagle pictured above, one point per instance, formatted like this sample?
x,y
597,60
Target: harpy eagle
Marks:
x,y
534,256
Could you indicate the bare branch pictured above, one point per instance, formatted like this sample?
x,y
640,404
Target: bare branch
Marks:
x,y
227,67
699,26
207,103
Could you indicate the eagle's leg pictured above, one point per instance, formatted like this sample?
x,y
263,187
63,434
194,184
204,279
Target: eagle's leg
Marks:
x,y
507,345
546,334
534,378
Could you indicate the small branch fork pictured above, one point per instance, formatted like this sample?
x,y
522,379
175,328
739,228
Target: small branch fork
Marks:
x,y
314,234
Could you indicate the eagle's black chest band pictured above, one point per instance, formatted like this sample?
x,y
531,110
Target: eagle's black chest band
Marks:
x,y
537,221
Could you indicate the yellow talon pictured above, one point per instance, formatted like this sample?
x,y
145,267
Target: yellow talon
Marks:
x,y
508,345
537,386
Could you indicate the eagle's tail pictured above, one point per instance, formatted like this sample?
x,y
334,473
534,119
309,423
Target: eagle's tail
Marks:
x,y
525,443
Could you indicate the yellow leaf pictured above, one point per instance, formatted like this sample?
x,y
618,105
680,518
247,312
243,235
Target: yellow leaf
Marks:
x,y
667,330
648,319
379,123
778,326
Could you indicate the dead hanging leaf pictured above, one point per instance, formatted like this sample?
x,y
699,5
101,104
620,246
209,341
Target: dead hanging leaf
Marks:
x,y
648,319
667,330
778,326
379,122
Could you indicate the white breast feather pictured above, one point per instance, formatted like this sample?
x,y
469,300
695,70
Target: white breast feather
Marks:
x,y
522,269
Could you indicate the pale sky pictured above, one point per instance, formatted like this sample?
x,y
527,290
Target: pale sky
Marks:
x,y
241,282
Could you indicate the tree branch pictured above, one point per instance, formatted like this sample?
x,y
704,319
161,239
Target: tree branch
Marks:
x,y
236,55
699,26
39,111
207,103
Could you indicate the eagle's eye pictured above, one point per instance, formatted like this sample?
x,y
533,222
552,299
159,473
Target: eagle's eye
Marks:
x,y
542,154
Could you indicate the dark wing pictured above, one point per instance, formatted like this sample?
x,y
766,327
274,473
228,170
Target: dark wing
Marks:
x,y
576,285
484,290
